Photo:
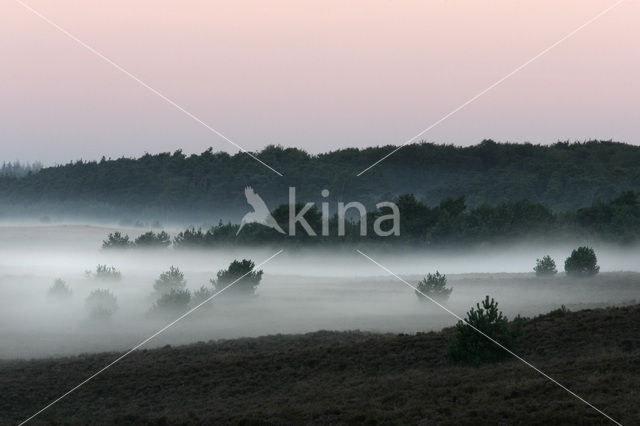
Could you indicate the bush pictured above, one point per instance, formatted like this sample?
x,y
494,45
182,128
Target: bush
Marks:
x,y
151,239
104,272
470,347
173,279
176,301
582,262
101,304
434,286
545,266
237,269
200,295
59,289
116,240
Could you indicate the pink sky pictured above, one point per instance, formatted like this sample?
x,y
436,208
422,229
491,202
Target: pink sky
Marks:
x,y
317,75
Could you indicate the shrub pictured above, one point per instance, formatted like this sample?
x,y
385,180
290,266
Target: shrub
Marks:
x,y
176,301
545,266
470,347
170,280
190,238
237,269
151,239
560,312
200,295
582,262
101,304
59,289
104,272
116,240
434,286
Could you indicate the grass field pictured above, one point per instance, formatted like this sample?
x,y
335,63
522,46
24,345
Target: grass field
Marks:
x,y
346,378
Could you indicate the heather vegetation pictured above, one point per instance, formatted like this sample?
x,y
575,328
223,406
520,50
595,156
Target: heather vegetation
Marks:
x,y
348,377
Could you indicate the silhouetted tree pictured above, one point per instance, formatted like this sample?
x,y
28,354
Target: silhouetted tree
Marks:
x,y
471,347
582,262
434,286
170,280
241,272
545,266
116,240
151,239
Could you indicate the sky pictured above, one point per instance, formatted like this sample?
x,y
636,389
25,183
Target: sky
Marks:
x,y
318,75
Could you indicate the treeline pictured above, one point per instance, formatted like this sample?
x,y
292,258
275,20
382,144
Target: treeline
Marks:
x,y
194,188
17,169
449,222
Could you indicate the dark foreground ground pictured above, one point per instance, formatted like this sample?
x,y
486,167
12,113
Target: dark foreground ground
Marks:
x,y
345,378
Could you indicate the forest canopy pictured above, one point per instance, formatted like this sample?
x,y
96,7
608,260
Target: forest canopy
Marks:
x,y
209,186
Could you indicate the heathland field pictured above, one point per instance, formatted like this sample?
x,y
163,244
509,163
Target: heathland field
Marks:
x,y
346,378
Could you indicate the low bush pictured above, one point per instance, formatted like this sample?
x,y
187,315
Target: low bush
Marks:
x,y
59,289
242,270
582,262
433,286
170,280
176,301
545,266
200,295
101,304
104,272
472,348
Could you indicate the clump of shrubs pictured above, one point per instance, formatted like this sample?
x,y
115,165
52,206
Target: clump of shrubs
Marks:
x,y
116,240
59,290
200,295
472,348
173,296
101,304
582,262
151,240
242,271
170,280
433,286
175,301
107,273
545,267
560,312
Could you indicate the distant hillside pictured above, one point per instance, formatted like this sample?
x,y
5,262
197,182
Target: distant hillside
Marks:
x,y
563,176
345,378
